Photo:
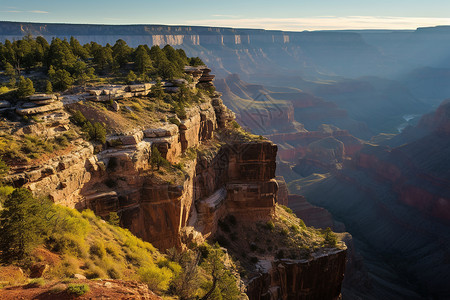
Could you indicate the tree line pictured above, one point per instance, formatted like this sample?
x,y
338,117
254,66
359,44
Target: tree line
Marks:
x,y
67,62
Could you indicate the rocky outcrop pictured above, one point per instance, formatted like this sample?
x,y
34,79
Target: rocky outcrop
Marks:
x,y
222,171
317,278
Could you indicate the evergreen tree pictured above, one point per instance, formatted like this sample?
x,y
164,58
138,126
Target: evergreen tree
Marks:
x,y
61,79
60,55
167,70
9,70
80,72
23,224
196,61
121,52
48,87
157,90
77,49
103,57
25,87
223,282
173,56
142,60
98,133
131,77
156,159
157,55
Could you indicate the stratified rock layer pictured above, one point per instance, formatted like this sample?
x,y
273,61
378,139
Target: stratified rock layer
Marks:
x,y
313,279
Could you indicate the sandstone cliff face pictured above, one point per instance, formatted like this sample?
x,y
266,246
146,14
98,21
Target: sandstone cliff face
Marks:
x,y
301,279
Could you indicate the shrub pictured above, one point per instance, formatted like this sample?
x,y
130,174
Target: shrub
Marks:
x,y
5,191
302,224
62,141
67,243
94,272
114,273
113,218
36,282
175,121
295,228
78,289
171,265
330,238
270,225
157,279
287,209
98,249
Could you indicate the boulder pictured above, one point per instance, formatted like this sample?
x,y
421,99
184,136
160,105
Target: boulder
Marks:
x,y
79,276
115,106
38,270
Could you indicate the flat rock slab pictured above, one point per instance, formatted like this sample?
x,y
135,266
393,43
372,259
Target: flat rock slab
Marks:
x,y
39,109
39,97
167,130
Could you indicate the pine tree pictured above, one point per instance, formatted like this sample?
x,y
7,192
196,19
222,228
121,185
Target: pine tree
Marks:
x,y
142,60
25,87
131,77
99,132
9,70
61,79
48,87
121,52
156,160
23,224
157,90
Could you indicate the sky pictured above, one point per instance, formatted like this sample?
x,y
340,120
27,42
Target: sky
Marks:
x,y
291,15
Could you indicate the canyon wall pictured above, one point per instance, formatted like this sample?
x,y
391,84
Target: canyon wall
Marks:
x,y
301,279
394,199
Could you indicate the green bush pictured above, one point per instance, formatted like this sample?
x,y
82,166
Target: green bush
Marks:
x,y
287,209
270,225
36,282
157,279
330,237
113,218
5,191
98,249
174,121
78,289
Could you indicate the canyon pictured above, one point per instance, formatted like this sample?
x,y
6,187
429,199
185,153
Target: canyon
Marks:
x,y
225,172
333,102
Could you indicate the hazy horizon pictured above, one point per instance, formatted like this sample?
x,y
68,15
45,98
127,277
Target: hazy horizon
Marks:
x,y
287,15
